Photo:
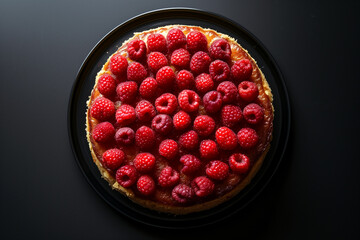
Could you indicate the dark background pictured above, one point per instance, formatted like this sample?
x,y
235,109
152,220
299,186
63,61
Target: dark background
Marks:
x,y
314,195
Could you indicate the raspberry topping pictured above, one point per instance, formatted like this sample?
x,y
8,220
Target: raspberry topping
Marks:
x,y
144,162
136,49
217,170
145,185
113,158
125,136
182,193
220,49
196,41
156,42
226,138
191,164
127,91
189,101
185,80
165,77
241,70
156,60
106,85
166,103
125,115
189,140
126,176
204,125
219,70
162,124
202,186
145,111
118,64
208,149
136,72
181,120
144,138
102,109
168,177
180,58
253,113
148,88
176,39
231,115
248,138
248,91
168,149
239,163
204,83
228,91
212,101
200,62
103,132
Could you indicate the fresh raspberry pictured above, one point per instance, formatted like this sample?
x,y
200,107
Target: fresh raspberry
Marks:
x,y
103,132
106,85
168,177
226,138
204,125
228,91
231,115
166,103
136,49
200,62
181,120
180,58
156,42
219,70
217,170
144,138
212,101
253,113
241,70
136,72
102,109
204,83
220,49
126,176
239,163
248,138
248,91
196,41
208,149
148,88
113,158
202,186
144,162
125,136
182,193
190,164
145,111
127,91
165,77
125,115
156,60
168,148
185,80
176,39
162,124
145,185
189,140
118,64
189,101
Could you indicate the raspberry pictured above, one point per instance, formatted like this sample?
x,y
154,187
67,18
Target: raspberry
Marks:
x,y
168,177
204,125
220,49
166,103
156,60
156,42
208,149
176,39
182,193
118,64
185,80
148,88
106,85
189,101
241,70
125,115
181,120
103,132
136,72
180,58
168,149
125,136
136,49
113,158
145,111
253,113
145,185
162,124
217,170
219,70
231,115
200,62
239,163
102,109
189,140
248,138
202,186
204,83
196,41
248,91
144,138
127,91
212,101
228,92
126,176
144,162
165,77
226,138
190,164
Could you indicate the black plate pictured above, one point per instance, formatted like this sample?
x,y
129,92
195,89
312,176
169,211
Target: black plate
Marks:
x,y
85,82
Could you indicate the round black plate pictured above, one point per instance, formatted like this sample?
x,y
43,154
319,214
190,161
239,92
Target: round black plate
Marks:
x,y
85,81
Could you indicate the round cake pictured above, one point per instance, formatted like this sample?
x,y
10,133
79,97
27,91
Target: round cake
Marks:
x,y
180,119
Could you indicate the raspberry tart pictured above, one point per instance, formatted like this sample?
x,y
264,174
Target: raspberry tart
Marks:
x,y
180,119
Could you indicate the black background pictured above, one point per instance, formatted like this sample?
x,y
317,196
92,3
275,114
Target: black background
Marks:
x,y
314,195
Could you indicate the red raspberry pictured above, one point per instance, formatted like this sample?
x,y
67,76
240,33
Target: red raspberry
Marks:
x,y
182,193
168,177
217,170
102,109
212,101
162,124
189,101
146,185
239,163
136,72
181,120
125,136
253,113
196,41
200,62
148,88
136,49
166,103
176,39
226,138
127,91
118,64
144,138
204,125
241,70
231,115
145,111
103,132
106,85
219,70
208,149
248,91
191,164
220,49
113,158
189,140
156,60
156,42
144,162
168,148
204,83
202,186
125,115
228,92
248,138
180,58
165,77
126,176
185,80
